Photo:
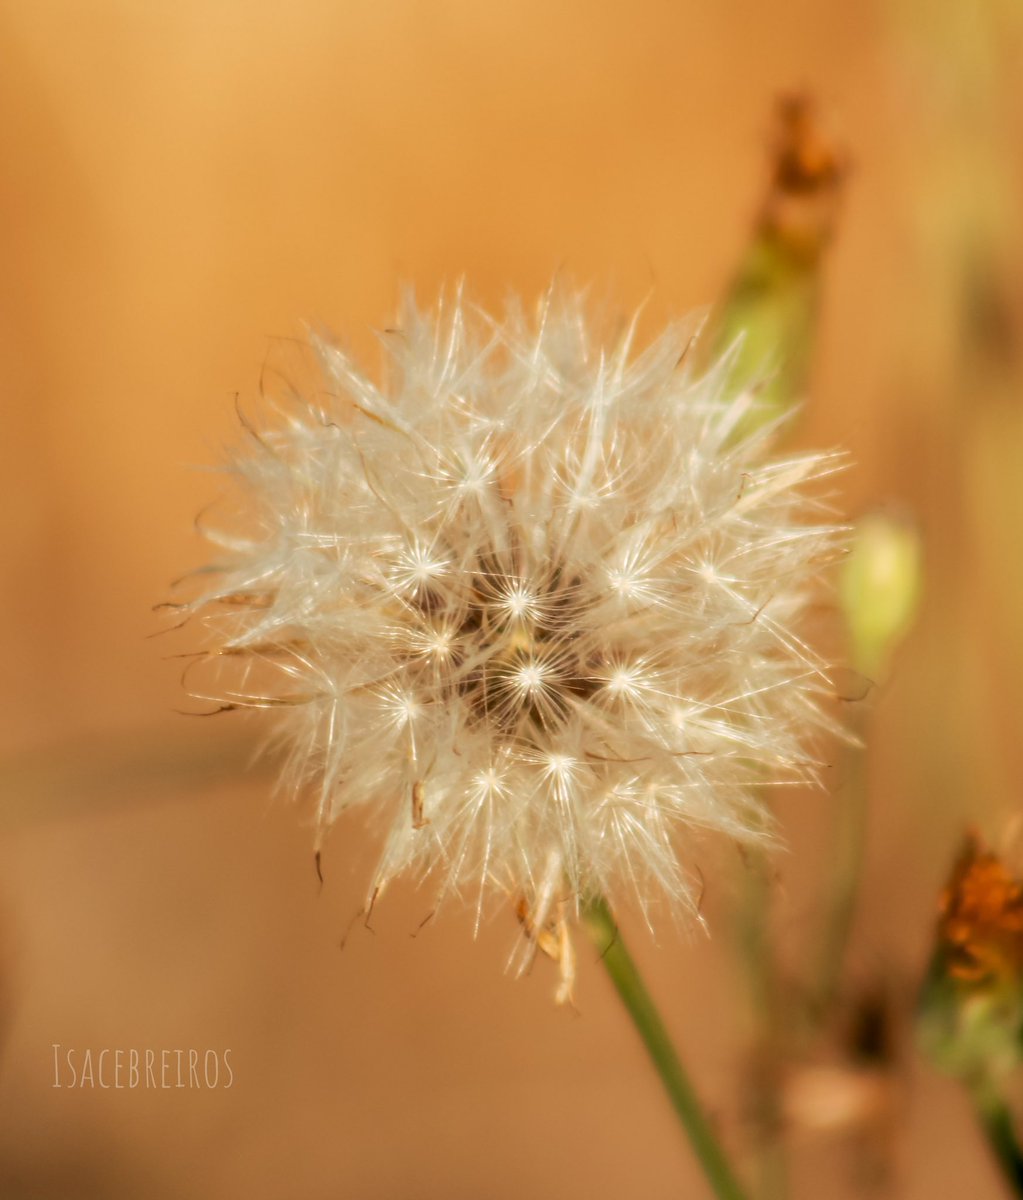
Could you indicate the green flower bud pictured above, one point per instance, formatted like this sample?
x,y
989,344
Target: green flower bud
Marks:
x,y
880,589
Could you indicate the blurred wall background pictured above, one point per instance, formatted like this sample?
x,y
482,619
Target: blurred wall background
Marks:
x,y
179,185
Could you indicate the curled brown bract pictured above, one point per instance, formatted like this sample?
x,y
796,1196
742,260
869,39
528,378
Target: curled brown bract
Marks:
x,y
808,172
980,923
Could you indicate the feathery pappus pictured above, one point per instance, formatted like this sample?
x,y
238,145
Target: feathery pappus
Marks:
x,y
533,601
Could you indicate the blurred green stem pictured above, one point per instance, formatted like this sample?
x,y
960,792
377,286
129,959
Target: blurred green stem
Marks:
x,y
996,1121
770,1025
606,936
847,870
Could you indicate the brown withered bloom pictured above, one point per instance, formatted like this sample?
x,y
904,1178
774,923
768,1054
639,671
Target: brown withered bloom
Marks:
x,y
808,171
980,924
970,1022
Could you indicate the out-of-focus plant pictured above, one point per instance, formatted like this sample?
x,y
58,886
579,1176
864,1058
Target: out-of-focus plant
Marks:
x,y
879,588
968,351
881,584
768,318
970,1019
767,325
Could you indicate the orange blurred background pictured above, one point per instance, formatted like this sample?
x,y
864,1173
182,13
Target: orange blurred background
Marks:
x,y
179,185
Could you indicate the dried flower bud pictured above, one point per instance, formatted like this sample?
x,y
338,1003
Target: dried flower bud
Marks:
x,y
971,1014
768,318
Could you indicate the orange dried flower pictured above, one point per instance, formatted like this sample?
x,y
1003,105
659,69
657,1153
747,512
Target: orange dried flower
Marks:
x,y
980,927
970,1020
808,172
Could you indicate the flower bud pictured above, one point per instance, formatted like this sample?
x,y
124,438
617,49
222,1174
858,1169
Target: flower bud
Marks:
x,y
880,589
970,1020
768,319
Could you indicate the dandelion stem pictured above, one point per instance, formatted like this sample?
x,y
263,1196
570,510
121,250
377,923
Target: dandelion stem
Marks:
x,y
630,987
996,1122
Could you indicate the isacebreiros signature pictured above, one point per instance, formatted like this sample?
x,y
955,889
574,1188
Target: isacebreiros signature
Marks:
x,y
133,1068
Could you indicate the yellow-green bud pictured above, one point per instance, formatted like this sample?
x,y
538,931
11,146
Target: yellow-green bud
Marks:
x,y
881,585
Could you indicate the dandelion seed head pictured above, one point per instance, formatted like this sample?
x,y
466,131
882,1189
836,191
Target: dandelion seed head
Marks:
x,y
529,601
417,566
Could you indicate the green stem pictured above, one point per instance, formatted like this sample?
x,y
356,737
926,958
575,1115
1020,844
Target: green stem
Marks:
x,y
630,987
771,1025
847,870
996,1121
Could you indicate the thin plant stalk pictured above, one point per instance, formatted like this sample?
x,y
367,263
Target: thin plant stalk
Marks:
x,y
996,1121
630,987
770,1025
847,870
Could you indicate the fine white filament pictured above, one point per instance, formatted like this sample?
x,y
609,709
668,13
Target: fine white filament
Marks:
x,y
533,601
